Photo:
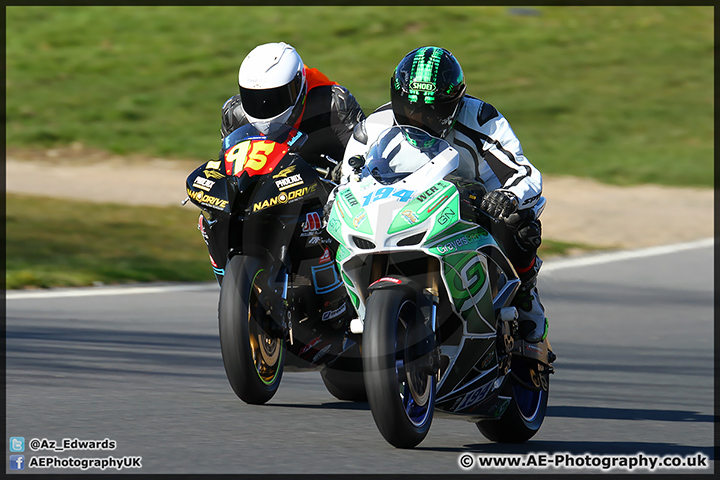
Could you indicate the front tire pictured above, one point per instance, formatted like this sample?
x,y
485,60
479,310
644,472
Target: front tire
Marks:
x,y
526,412
400,393
253,359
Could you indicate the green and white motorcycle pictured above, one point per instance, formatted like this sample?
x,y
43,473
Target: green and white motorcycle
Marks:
x,y
433,290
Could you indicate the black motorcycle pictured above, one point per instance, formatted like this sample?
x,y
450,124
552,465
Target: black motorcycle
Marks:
x,y
283,305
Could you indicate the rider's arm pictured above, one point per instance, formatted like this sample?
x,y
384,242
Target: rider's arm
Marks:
x,y
505,156
364,135
345,114
232,116
357,145
505,165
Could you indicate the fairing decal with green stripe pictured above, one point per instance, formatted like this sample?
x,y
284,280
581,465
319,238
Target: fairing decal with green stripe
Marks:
x,y
422,207
351,212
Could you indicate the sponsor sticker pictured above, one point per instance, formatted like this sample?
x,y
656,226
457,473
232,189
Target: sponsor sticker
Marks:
x,y
213,174
284,198
423,86
289,182
203,183
334,313
326,256
312,223
321,353
474,397
350,198
410,217
205,199
294,139
387,279
359,219
310,344
285,172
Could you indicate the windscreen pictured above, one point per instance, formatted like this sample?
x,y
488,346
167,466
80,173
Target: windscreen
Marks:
x,y
400,151
275,132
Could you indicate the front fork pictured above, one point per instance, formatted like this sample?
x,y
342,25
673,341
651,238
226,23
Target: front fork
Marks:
x,y
277,319
428,348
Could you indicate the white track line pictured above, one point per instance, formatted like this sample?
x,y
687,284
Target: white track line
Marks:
x,y
97,291
549,266
624,255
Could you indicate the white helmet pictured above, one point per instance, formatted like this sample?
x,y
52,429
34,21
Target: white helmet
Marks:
x,y
272,84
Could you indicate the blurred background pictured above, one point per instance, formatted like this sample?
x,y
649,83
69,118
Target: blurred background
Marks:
x,y
623,95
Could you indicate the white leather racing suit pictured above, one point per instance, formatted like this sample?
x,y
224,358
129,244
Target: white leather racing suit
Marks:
x,y
489,150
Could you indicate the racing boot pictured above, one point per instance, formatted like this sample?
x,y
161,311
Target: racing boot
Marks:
x,y
532,323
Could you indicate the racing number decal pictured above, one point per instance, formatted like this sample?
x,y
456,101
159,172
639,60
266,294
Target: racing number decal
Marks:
x,y
235,158
253,157
258,155
385,192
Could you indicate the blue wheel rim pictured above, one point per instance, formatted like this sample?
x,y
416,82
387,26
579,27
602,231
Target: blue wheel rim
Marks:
x,y
528,402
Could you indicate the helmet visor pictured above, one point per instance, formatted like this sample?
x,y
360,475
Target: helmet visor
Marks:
x,y
271,102
434,119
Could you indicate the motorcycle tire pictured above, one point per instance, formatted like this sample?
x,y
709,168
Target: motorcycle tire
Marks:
x,y
253,359
525,414
401,396
348,386
344,379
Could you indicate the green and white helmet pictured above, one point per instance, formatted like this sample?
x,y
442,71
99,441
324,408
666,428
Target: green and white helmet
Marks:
x,y
426,90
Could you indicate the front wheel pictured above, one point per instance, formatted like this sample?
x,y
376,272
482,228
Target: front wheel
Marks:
x,y
526,412
401,393
253,358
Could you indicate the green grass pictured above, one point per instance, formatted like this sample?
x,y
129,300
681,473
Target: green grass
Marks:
x,y
620,94
51,243
56,243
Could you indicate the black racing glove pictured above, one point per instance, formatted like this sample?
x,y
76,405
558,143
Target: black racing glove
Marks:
x,y
326,212
499,203
336,173
328,207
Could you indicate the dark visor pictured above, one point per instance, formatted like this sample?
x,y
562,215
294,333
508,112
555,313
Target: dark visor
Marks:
x,y
431,118
270,102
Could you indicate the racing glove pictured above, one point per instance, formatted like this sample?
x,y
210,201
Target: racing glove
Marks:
x,y
336,173
328,207
499,203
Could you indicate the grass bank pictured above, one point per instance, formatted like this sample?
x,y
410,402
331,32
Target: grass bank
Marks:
x,y
621,94
52,243
59,243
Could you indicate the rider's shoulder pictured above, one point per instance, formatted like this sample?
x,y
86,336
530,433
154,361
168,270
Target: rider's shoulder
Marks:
x,y
375,123
381,118
477,111
231,102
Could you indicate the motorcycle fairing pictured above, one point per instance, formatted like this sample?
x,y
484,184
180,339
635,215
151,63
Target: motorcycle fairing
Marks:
x,y
476,276
209,189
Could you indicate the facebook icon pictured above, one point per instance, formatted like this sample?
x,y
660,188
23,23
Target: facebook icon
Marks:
x,y
17,462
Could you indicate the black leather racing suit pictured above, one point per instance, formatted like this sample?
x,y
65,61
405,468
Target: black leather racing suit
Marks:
x,y
330,115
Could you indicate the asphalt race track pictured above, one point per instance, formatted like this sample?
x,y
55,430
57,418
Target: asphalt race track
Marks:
x,y
633,335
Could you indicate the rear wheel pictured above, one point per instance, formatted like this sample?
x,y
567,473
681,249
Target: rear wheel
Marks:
x,y
344,379
401,393
526,412
253,358
344,385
